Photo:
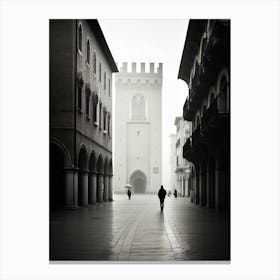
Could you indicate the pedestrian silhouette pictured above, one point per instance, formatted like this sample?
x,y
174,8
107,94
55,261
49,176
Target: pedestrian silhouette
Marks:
x,y
161,196
129,193
175,193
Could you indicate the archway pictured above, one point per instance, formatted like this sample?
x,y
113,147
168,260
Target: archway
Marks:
x,y
83,177
138,180
57,184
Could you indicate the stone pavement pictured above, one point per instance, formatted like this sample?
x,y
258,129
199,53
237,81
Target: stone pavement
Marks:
x,y
136,230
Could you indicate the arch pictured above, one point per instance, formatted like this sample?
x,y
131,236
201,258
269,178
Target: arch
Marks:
x,y
80,40
138,180
211,95
223,91
67,156
83,158
223,73
92,162
100,165
57,181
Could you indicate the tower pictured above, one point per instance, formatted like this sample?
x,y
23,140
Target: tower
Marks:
x,y
138,129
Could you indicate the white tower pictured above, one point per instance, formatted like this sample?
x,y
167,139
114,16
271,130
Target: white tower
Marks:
x,y
138,129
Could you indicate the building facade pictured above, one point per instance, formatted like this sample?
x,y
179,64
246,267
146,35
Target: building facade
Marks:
x,y
183,167
205,67
138,134
172,162
81,67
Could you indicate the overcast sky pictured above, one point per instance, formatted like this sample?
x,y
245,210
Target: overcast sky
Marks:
x,y
153,40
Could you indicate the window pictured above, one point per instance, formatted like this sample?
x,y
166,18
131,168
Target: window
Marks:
x,y
100,72
100,114
94,108
88,52
138,107
104,119
109,86
88,93
80,38
105,80
94,63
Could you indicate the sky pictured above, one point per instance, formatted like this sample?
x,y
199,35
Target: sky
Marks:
x,y
153,40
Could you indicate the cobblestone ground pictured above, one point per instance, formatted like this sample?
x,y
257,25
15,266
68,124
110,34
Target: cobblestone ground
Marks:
x,y
136,230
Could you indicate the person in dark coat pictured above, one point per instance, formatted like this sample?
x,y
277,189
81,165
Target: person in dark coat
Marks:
x,y
129,193
161,196
175,193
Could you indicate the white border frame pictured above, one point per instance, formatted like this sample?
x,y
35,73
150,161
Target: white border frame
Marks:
x,y
24,138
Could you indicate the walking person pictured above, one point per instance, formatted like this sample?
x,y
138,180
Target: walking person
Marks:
x,y
161,196
129,193
175,193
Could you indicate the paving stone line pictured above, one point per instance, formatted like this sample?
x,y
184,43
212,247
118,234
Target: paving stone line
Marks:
x,y
176,242
128,240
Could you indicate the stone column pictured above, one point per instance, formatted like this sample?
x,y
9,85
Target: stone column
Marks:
x,y
92,188
197,187
106,188
110,187
84,187
203,186
100,188
71,188
219,186
210,184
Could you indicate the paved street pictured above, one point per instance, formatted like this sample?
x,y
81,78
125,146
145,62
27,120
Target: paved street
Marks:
x,y
136,230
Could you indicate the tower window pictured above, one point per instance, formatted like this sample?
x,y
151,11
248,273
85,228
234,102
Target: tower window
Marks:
x,y
138,107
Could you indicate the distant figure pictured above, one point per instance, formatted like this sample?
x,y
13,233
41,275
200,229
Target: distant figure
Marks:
x,y
175,193
169,193
161,196
129,193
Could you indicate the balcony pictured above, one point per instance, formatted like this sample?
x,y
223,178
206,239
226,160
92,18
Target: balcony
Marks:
x,y
216,119
187,149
